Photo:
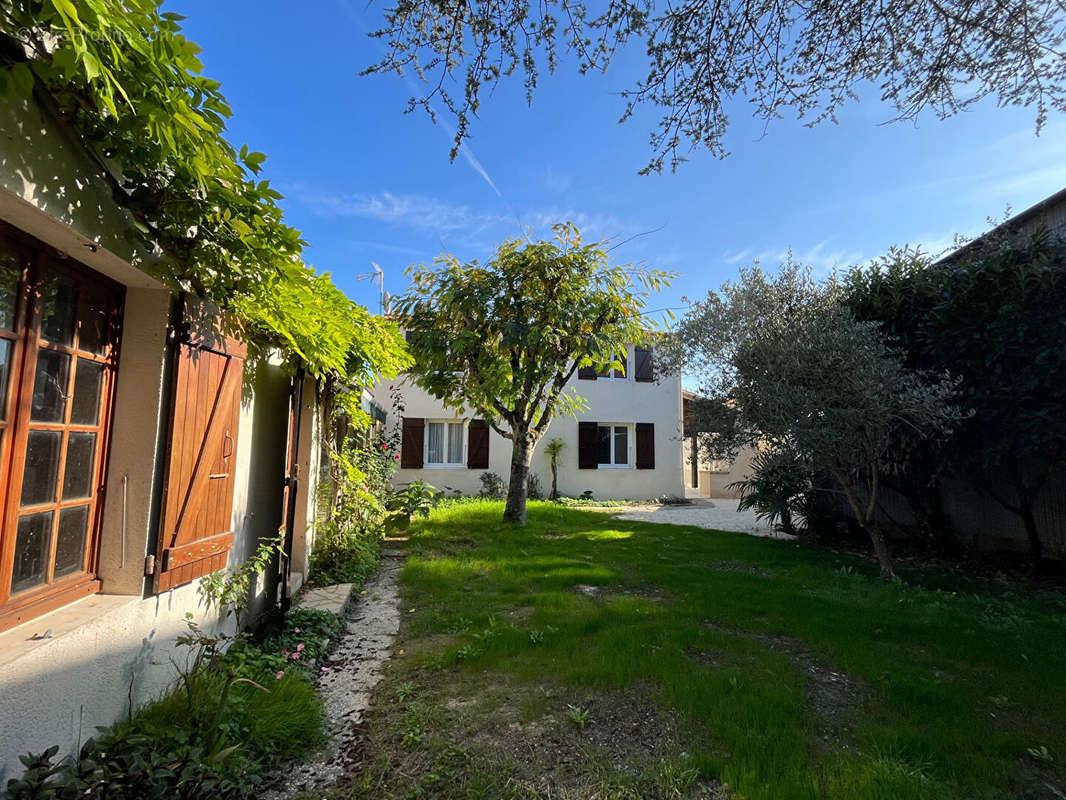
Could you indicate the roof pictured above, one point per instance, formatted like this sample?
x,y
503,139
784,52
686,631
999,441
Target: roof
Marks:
x,y
1049,213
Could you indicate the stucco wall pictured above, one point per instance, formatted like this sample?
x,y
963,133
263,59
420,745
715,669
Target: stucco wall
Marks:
x,y
112,651
608,401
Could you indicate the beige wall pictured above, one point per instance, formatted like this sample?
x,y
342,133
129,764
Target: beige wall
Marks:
x,y
716,476
608,401
113,650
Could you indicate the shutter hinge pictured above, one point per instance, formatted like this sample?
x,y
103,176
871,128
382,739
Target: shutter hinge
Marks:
x,y
149,565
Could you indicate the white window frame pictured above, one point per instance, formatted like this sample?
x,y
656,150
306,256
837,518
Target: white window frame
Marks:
x,y
631,429
461,463
610,376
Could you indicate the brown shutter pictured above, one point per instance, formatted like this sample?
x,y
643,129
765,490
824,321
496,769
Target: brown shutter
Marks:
x,y
588,445
477,450
644,367
586,373
195,536
411,443
645,445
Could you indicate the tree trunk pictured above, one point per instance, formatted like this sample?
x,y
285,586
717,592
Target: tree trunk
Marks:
x,y
521,457
1036,547
786,522
884,560
555,481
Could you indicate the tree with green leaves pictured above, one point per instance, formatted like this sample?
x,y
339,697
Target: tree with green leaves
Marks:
x,y
504,338
774,57
991,314
787,367
122,81
552,450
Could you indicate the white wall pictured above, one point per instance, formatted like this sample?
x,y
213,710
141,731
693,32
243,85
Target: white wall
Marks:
x,y
608,401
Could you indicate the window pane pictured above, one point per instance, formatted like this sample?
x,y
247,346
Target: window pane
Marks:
x,y
10,271
604,445
87,380
93,324
50,386
59,304
621,444
5,369
435,447
455,443
70,546
32,543
78,472
42,464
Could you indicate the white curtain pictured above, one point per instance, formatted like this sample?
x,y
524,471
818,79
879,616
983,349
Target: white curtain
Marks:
x,y
455,443
435,438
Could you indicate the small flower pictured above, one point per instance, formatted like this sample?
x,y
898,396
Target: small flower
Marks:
x,y
397,456
325,669
295,656
280,675
295,630
285,653
299,647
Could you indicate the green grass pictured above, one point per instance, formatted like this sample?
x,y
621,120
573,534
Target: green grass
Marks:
x,y
721,647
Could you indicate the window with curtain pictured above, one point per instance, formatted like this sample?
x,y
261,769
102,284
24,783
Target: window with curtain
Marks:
x,y
444,444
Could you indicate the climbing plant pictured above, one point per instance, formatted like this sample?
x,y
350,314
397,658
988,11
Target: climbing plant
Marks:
x,y
121,77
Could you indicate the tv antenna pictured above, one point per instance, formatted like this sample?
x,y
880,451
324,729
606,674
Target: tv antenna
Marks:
x,y
377,276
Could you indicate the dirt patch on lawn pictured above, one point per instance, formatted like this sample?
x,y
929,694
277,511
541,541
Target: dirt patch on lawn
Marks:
x,y
836,698
645,592
488,735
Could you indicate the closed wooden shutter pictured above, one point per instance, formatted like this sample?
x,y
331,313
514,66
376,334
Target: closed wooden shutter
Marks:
x,y
411,442
477,451
588,445
586,373
644,367
645,445
195,534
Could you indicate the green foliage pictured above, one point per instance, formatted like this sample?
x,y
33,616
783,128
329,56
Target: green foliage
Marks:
x,y
415,499
533,488
128,85
553,449
504,338
230,590
492,486
776,59
780,479
236,713
791,368
992,315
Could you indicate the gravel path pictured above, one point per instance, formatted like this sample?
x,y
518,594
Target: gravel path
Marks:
x,y
717,514
354,668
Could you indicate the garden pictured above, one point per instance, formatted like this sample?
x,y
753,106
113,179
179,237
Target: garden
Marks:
x,y
583,656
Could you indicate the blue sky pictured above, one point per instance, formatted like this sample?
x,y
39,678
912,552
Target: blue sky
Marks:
x,y
366,182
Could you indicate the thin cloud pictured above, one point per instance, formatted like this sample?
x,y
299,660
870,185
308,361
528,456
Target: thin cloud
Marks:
x,y
420,213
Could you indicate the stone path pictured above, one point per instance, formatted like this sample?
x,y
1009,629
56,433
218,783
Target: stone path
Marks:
x,y
717,514
354,668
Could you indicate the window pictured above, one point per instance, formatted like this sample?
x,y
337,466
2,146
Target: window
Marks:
x,y
609,374
444,444
58,331
613,446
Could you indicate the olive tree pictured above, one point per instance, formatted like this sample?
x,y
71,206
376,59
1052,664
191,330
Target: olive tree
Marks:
x,y
790,368
504,338
774,57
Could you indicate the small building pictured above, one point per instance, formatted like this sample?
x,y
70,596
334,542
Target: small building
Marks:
x,y
627,445
707,477
139,451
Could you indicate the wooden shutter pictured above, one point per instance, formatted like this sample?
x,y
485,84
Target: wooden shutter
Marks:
x,y
588,434
411,442
644,368
645,445
477,451
586,373
195,536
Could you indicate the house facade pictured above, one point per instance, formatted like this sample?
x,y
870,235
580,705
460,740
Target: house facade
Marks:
x,y
139,451
626,445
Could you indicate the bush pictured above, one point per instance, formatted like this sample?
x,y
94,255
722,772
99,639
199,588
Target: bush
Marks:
x,y
533,489
231,718
492,486
343,554
779,481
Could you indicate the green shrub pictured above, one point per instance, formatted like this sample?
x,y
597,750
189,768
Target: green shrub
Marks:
x,y
343,554
492,486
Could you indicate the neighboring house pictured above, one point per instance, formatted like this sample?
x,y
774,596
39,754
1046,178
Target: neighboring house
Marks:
x,y
707,477
626,445
137,453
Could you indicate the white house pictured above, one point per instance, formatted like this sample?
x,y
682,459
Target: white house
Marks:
x,y
628,444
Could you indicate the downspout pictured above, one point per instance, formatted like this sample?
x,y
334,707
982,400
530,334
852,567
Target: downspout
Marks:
x,y
292,487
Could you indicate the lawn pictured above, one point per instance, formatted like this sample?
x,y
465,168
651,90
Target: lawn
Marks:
x,y
582,656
